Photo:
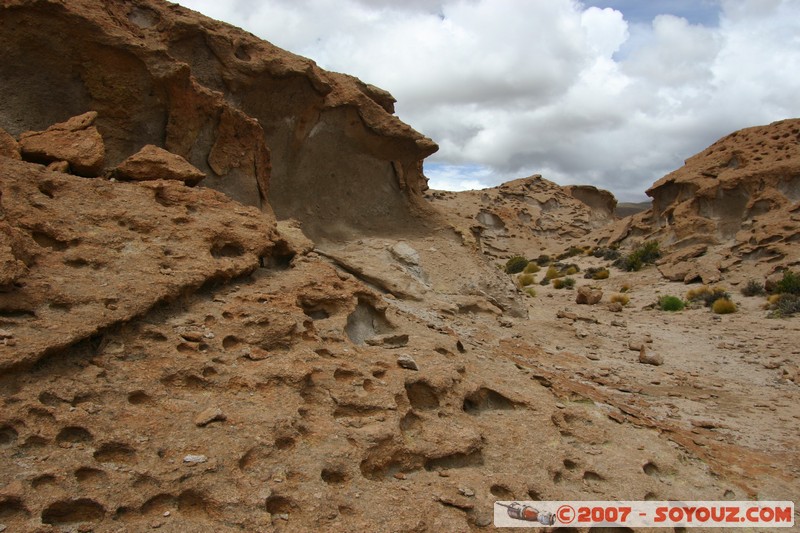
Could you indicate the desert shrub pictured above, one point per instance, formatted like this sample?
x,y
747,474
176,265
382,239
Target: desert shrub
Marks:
x,y
571,270
530,291
572,252
552,273
609,254
601,274
531,268
625,287
753,288
623,299
591,271
543,260
558,283
645,254
516,264
790,284
545,281
773,299
569,283
707,295
723,306
671,303
526,279
785,305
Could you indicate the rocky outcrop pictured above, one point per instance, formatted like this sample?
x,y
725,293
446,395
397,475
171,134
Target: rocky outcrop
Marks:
x,y
258,121
78,255
739,199
527,216
602,203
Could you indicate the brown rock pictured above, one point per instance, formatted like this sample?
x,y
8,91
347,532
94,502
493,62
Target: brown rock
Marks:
x,y
59,166
75,141
212,414
8,145
648,358
588,296
154,163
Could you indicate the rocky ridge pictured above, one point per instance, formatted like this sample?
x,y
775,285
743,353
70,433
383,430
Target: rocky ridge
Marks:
x,y
528,213
735,204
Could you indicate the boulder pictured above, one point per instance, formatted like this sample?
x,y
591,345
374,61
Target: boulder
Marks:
x,y
588,296
75,141
8,145
154,163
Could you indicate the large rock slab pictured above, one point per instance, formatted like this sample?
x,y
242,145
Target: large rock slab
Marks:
x,y
154,163
75,141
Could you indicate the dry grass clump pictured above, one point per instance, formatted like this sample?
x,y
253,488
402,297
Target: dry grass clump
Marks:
x,y
707,295
723,306
526,279
623,299
532,268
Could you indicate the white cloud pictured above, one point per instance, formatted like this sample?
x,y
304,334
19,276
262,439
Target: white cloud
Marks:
x,y
580,94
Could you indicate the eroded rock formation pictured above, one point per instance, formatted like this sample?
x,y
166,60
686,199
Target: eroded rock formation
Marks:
x,y
79,255
159,74
526,216
737,200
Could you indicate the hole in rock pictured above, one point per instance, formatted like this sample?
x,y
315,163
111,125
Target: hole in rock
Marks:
x,y
74,435
66,512
421,395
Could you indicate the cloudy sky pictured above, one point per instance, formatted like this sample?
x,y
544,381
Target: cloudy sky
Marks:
x,y
614,93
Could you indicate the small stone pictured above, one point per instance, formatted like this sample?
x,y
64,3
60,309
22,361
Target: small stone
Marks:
x,y
166,514
59,166
2,528
212,414
484,520
567,315
615,307
389,341
650,359
400,475
407,362
192,336
635,346
464,491
5,334
195,459
592,356
444,473
506,323
619,323
284,516
254,353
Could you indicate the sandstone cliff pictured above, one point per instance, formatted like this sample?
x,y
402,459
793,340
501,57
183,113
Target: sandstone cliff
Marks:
x,y
259,121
